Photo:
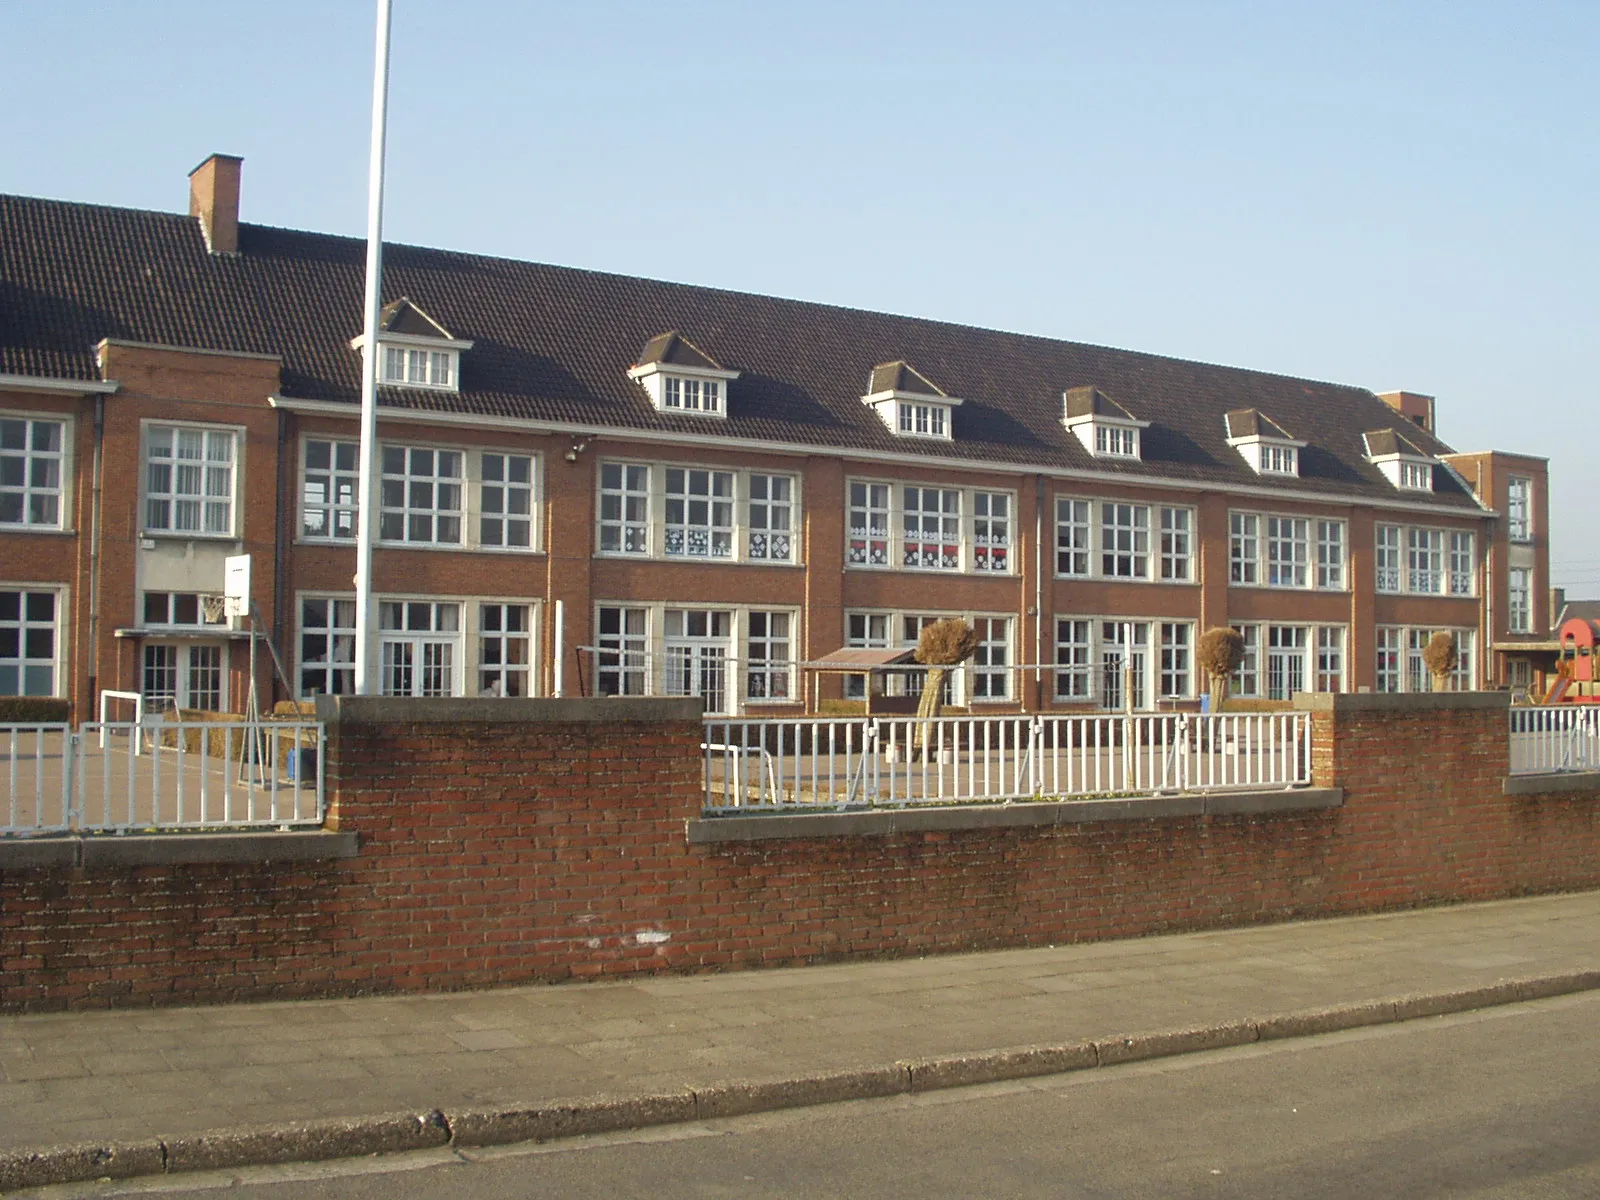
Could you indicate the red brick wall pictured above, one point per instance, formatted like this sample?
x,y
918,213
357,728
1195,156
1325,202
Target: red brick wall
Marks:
x,y
498,852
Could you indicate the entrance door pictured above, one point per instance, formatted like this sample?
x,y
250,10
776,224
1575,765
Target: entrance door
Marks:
x,y
697,650
1286,661
183,674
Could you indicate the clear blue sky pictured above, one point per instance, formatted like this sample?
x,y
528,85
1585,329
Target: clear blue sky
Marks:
x,y
1395,195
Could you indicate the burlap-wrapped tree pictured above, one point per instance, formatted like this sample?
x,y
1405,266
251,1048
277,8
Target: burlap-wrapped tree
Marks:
x,y
1440,657
943,645
1220,652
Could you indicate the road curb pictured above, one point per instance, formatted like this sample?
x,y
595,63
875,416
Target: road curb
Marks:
x,y
309,1141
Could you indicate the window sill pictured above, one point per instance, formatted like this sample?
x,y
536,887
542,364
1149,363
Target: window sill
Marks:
x,y
39,529
169,535
683,560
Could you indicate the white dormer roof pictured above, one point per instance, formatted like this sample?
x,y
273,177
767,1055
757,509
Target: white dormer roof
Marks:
x,y
909,403
1402,461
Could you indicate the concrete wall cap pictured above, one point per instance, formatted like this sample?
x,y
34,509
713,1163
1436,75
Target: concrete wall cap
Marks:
x,y
1398,702
597,710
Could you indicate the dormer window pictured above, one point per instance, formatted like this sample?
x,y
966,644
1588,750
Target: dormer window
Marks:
x,y
909,403
679,377
416,351
1106,429
1403,462
1116,441
1265,444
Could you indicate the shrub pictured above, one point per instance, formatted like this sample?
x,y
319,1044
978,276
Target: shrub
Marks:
x,y
33,710
1440,657
1219,654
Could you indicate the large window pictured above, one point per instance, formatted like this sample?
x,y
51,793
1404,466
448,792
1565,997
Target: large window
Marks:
x,y
697,644
991,531
185,675
1277,551
928,528
1519,508
1280,660
1117,663
420,645
1176,546
31,472
422,494
1519,606
327,646
622,664
329,489
506,494
771,523
505,650
1424,562
932,518
1287,552
768,655
28,642
697,513
986,677
1401,666
1124,541
624,508
189,480
1073,548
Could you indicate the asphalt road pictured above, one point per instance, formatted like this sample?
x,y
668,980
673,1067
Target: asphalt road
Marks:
x,y
1499,1103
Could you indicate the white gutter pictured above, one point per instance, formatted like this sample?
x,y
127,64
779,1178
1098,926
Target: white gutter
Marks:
x,y
47,383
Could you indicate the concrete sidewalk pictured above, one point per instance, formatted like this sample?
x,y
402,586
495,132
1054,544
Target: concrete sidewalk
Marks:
x,y
495,1066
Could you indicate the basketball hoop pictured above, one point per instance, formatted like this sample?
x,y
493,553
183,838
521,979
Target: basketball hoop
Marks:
x,y
214,608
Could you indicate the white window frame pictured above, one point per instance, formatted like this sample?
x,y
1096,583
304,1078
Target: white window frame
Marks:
x,y
1275,550
1415,476
1463,563
885,629
1074,673
1176,660
192,662
892,526
337,639
1177,544
505,663
937,527
1124,535
691,394
622,665
769,517
769,674
1519,508
916,418
623,512
1115,441
164,610
698,513
418,366
1290,656
1425,573
338,502
1519,600
869,517
1074,538
992,522
401,504
1420,560
516,501
207,495
420,642
1387,562
41,503
990,670
23,624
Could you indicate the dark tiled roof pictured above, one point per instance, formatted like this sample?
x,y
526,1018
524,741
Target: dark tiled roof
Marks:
x,y
1092,402
902,377
1252,422
402,316
1383,442
676,351
554,344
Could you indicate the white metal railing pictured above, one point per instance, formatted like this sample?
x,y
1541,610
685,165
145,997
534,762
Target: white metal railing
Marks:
x,y
1559,737
890,761
120,776
38,798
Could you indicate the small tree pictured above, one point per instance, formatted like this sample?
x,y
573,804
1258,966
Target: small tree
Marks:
x,y
1440,657
943,645
1221,650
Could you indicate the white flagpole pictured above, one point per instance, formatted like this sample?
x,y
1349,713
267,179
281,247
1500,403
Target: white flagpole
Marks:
x,y
367,507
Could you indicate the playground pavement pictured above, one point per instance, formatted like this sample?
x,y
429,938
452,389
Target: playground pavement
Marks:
x,y
132,1092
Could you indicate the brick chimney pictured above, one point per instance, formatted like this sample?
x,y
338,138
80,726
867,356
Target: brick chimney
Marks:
x,y
1413,405
214,198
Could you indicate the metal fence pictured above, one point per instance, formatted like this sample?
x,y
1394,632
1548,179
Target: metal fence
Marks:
x,y
895,761
1562,737
122,776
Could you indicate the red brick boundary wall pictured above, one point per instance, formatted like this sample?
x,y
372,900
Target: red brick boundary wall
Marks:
x,y
508,841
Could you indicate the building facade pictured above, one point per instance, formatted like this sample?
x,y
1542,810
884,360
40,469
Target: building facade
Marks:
x,y
599,484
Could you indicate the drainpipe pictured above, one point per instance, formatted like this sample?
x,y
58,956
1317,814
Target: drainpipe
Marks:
x,y
1038,592
279,531
94,560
